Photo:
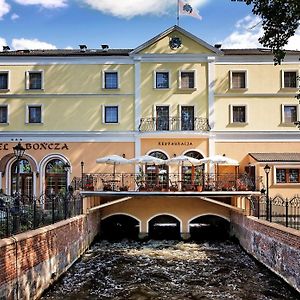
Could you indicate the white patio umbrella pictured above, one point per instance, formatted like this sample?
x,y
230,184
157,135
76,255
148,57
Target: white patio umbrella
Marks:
x,y
184,160
113,160
220,159
147,159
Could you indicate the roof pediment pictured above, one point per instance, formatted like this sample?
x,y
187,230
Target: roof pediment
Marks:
x,y
190,44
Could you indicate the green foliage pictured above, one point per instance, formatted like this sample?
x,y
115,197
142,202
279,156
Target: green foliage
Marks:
x,y
280,20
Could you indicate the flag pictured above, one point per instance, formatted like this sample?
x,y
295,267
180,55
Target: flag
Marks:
x,y
186,9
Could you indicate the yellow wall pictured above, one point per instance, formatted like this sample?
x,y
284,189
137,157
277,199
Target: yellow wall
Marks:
x,y
173,96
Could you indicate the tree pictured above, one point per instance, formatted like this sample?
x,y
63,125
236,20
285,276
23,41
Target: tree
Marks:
x,y
280,20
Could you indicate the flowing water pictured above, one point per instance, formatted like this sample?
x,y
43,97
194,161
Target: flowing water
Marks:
x,y
170,270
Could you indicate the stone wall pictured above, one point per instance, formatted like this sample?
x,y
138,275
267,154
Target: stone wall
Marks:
x,y
276,246
31,261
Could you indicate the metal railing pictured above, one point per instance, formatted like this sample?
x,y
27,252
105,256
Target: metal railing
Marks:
x,y
278,209
165,182
22,213
174,124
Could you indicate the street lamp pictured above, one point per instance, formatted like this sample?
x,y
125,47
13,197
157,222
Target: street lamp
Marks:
x,y
66,168
19,151
82,165
267,169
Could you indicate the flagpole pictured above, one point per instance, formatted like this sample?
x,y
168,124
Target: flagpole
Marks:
x,y
177,12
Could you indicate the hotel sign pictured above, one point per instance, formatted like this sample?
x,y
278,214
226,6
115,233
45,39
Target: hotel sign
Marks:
x,y
38,146
175,143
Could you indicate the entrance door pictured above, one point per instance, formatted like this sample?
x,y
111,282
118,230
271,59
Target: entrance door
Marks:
x,y
25,178
56,177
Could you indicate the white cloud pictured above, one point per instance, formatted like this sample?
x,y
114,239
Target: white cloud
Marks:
x,y
130,8
4,8
2,43
44,3
14,17
248,31
31,44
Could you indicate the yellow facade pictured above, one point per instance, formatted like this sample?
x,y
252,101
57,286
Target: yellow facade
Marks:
x,y
197,84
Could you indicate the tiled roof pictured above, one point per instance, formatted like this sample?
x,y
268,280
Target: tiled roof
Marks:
x,y
125,52
276,157
258,51
67,52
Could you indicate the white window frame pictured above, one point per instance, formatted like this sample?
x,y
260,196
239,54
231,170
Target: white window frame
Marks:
x,y
8,80
246,79
42,81
7,107
154,112
287,166
282,112
231,106
154,79
103,79
179,79
282,79
27,113
103,114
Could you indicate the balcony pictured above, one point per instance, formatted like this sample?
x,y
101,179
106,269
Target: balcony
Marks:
x,y
171,182
174,124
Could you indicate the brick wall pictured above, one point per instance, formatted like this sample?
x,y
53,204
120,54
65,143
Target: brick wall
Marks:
x,y
31,261
276,246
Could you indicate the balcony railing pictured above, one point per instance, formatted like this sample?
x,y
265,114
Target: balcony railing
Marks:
x,y
174,124
166,182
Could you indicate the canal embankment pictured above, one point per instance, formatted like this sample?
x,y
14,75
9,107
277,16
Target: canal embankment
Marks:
x,y
275,246
30,262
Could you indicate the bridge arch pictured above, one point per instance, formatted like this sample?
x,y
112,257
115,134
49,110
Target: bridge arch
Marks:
x,y
164,226
120,226
209,227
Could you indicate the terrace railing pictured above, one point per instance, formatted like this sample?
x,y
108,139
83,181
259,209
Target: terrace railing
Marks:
x,y
174,124
166,182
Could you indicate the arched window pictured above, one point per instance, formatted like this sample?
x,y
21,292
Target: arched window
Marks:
x,y
55,177
157,175
25,178
193,175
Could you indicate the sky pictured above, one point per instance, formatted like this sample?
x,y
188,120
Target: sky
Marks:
x,y
63,24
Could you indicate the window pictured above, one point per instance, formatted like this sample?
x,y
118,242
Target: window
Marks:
x,y
162,80
238,80
287,175
111,114
289,113
111,80
34,80
290,79
34,114
187,118
3,80
3,114
162,118
238,114
187,80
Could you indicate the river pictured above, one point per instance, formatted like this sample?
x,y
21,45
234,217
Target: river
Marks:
x,y
173,270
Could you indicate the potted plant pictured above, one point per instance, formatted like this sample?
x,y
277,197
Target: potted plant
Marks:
x,y
198,181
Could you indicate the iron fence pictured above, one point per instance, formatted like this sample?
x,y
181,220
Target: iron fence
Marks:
x,y
165,182
21,213
277,209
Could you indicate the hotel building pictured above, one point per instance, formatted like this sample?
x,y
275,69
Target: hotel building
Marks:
x,y
173,95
